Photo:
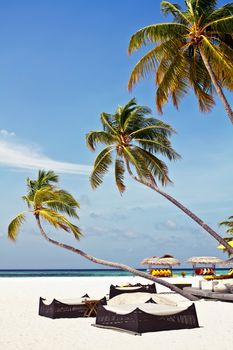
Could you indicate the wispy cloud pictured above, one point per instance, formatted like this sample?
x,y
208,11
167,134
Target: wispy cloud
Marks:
x,y
6,133
18,155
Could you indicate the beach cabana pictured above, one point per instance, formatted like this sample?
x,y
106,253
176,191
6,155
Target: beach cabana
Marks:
x,y
136,288
165,263
148,317
228,262
210,261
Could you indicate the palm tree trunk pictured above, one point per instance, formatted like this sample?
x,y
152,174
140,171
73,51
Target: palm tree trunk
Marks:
x,y
217,86
114,264
184,209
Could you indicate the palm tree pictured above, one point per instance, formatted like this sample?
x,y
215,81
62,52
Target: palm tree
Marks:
x,y
196,50
47,202
134,140
229,225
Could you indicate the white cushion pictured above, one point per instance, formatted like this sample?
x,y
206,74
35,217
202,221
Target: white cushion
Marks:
x,y
152,309
140,298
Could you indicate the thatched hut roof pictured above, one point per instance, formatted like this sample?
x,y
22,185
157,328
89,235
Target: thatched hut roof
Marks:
x,y
206,260
166,260
228,262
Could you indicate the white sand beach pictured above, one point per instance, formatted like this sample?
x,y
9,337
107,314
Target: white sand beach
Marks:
x,y
21,328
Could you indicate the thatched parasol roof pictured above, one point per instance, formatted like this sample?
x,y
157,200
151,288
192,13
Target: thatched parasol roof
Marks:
x,y
206,260
228,262
167,260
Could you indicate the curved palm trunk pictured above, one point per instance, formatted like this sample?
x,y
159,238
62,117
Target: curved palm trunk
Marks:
x,y
217,86
114,264
185,210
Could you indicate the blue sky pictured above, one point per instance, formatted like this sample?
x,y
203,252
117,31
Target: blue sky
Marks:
x,y
61,64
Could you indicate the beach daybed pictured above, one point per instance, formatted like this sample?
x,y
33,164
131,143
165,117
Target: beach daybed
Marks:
x,y
148,317
144,288
218,290
69,308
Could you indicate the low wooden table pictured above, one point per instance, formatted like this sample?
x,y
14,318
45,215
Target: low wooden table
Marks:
x,y
183,285
91,307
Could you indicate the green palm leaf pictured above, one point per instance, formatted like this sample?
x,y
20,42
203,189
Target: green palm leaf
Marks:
x,y
155,166
119,174
58,221
95,137
159,146
101,166
155,33
174,9
14,226
222,25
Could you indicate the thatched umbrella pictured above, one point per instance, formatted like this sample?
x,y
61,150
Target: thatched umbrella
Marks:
x,y
165,260
204,260
228,262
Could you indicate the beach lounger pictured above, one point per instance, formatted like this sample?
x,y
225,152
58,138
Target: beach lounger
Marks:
x,y
148,317
144,288
69,308
216,290
220,277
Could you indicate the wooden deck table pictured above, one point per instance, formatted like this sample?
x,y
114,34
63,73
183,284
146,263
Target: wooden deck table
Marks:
x,y
91,307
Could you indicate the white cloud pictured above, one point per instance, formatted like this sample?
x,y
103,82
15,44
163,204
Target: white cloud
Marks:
x,y
6,133
17,155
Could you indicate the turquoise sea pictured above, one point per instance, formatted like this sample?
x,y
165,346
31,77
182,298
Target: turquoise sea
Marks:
x,y
84,272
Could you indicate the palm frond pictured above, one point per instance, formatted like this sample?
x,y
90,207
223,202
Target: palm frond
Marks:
x,y
101,165
15,224
159,145
156,33
158,128
106,120
222,25
138,118
44,194
125,111
224,11
205,100
215,55
119,174
95,137
58,221
149,62
173,79
28,201
61,207
156,167
137,162
175,10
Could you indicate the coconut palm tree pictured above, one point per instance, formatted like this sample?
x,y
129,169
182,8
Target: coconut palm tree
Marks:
x,y
195,50
49,203
229,229
229,224
134,140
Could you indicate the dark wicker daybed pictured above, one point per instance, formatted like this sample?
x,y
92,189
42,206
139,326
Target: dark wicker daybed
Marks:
x,y
61,309
153,318
144,288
